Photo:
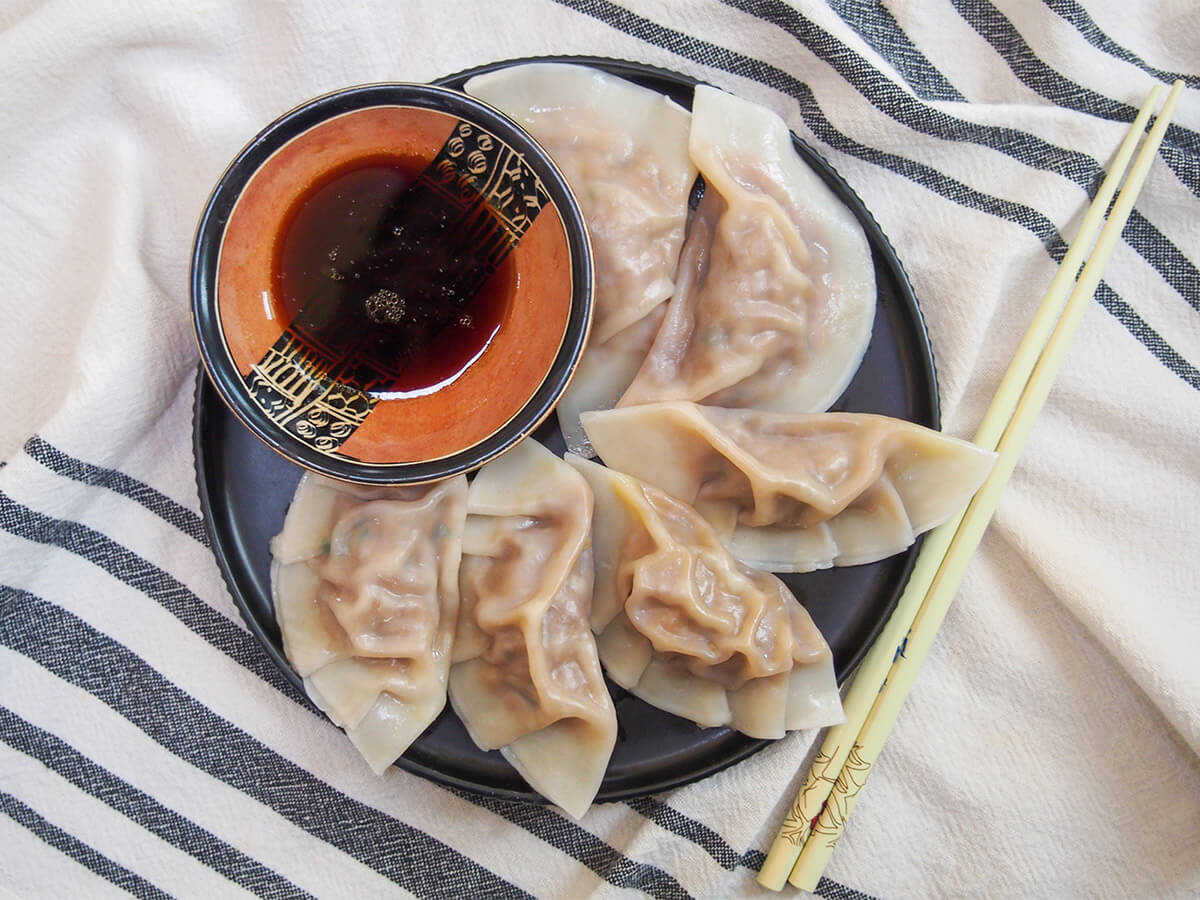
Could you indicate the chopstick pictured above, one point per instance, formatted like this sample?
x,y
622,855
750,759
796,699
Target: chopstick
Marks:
x,y
873,670
872,703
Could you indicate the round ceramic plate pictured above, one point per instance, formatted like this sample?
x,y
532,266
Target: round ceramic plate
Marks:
x,y
245,490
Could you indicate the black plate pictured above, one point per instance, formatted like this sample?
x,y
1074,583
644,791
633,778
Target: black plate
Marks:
x,y
245,489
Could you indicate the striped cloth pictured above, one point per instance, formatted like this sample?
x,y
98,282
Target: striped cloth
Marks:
x,y
1050,747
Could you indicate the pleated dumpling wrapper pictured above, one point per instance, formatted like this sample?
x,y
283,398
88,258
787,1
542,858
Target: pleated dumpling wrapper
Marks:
x,y
775,299
794,493
687,628
624,150
365,586
526,678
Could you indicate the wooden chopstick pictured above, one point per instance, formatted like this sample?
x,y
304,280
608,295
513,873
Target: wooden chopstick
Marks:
x,y
876,679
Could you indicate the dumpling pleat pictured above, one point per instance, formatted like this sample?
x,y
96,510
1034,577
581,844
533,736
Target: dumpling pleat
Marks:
x,y
312,637
774,548
933,487
759,707
874,527
813,699
624,651
795,492
350,687
368,618
390,726
491,724
565,761
694,631
676,690
526,678
309,520
602,376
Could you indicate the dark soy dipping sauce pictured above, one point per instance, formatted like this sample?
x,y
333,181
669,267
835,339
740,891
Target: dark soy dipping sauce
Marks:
x,y
387,280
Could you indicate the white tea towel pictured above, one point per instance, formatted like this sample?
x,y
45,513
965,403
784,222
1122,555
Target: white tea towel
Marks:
x,y
1050,746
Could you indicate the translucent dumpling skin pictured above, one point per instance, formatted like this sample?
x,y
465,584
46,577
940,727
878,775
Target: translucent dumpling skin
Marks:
x,y
776,309
794,493
526,678
365,587
686,627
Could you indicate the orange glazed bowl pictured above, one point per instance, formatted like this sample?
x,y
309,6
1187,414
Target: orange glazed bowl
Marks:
x,y
391,284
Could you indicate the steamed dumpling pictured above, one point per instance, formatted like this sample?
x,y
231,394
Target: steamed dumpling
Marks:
x,y
526,678
624,150
780,310
687,628
365,586
604,372
793,493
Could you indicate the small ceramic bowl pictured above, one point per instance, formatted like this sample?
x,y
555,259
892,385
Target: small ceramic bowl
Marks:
x,y
391,284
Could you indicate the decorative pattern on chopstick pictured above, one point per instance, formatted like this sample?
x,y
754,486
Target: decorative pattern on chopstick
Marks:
x,y
846,787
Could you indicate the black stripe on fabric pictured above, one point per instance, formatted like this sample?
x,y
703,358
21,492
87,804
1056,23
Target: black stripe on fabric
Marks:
x,y
716,57
71,846
579,843
1078,17
142,575
831,890
1047,82
1139,233
672,820
754,859
140,807
1153,246
877,26
720,850
906,109
1175,268
68,647
158,503
1185,164
1151,339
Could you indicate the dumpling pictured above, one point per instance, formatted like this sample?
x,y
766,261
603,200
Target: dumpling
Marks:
x,y
604,372
624,150
687,628
793,493
781,311
365,586
526,678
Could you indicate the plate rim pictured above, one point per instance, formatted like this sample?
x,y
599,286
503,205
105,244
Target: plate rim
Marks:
x,y
206,395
